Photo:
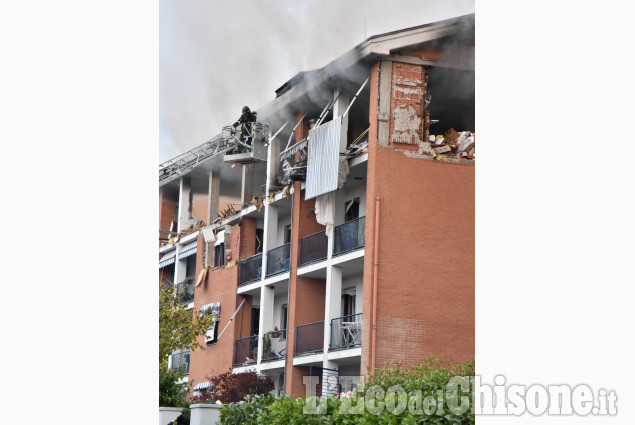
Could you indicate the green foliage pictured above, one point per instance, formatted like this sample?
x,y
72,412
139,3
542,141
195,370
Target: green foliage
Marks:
x,y
267,351
187,412
402,401
179,328
171,392
247,412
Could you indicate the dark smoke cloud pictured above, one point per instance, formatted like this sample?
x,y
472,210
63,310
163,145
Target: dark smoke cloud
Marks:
x,y
217,56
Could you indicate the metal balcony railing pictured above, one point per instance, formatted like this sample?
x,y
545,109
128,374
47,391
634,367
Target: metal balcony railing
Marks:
x,y
185,290
313,248
309,338
278,259
274,345
181,360
346,331
250,269
246,350
349,236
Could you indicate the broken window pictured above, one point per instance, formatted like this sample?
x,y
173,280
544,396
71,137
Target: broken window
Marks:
x,y
219,255
212,309
352,210
287,233
348,305
259,238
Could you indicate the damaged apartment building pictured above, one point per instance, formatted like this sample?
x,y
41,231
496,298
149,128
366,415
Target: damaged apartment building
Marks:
x,y
343,237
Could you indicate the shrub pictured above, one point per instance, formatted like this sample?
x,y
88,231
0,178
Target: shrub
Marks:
x,y
231,387
172,393
419,381
247,412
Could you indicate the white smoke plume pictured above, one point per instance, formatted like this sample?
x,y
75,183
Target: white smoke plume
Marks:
x,y
217,56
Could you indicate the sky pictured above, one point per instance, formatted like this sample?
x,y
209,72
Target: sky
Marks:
x,y
217,56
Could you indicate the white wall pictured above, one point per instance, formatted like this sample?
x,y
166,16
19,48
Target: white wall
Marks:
x,y
278,300
282,221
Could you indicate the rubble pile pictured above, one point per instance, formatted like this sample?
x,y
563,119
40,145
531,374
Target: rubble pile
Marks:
x,y
452,144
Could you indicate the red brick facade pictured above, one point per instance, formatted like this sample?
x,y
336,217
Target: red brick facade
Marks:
x,y
425,274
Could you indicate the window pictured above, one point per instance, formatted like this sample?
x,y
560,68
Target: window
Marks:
x,y
212,333
255,320
190,267
259,237
219,255
175,221
352,210
287,233
348,305
213,309
283,319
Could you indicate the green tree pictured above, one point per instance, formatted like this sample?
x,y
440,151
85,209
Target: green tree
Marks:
x,y
179,329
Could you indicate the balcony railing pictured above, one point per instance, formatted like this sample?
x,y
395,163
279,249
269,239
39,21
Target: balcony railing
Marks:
x,y
313,248
185,290
181,360
274,345
250,269
246,350
346,331
278,259
309,338
349,236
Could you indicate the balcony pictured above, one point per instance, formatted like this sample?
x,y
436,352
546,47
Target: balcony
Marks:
x,y
349,236
313,248
181,361
185,291
278,259
246,351
274,345
346,332
309,338
250,269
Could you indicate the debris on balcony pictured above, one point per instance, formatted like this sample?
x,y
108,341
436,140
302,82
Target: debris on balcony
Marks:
x,y
193,228
453,144
228,212
358,146
257,201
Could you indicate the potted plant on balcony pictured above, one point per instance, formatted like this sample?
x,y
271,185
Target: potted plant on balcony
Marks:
x,y
276,333
267,352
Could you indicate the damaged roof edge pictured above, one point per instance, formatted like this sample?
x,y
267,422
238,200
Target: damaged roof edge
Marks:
x,y
373,47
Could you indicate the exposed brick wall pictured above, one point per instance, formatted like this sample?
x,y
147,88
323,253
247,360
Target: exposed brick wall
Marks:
x,y
199,207
167,206
425,295
407,106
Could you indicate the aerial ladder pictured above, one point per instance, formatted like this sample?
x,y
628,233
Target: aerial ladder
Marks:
x,y
232,144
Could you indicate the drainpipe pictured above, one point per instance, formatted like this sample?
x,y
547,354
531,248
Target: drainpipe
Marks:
x,y
375,265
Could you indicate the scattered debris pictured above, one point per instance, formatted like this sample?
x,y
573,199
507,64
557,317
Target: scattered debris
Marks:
x,y
258,202
228,212
452,144
193,228
358,147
